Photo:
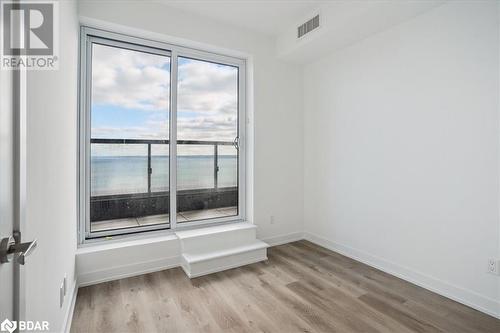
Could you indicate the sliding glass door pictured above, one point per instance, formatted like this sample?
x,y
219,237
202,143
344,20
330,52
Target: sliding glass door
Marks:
x,y
161,132
129,134
207,134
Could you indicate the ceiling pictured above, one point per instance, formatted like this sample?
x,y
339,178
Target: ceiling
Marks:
x,y
265,16
342,22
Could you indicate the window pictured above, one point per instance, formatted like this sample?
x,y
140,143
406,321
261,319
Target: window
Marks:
x,y
161,132
207,126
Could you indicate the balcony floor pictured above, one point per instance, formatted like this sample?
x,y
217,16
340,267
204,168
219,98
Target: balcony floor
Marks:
x,y
194,215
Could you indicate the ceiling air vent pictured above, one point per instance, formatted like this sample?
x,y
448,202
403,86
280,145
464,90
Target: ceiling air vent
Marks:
x,y
308,26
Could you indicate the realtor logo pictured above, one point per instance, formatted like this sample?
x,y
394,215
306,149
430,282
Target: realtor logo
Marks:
x,y
8,326
29,35
24,325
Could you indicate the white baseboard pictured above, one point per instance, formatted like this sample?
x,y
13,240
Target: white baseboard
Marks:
x,y
283,239
66,327
456,293
120,272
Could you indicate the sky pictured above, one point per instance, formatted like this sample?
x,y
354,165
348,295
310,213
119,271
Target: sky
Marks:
x,y
130,99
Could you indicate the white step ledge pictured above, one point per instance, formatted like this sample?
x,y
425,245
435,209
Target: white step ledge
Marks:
x,y
192,258
195,265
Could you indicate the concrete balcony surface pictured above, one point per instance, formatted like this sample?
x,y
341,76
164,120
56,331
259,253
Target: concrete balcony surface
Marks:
x,y
187,216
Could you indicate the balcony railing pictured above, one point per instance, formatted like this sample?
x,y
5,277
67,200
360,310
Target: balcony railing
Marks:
x,y
124,205
150,142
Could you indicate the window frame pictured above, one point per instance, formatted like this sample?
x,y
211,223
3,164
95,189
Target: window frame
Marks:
x,y
88,36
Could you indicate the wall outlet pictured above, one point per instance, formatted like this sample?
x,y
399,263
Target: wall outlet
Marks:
x,y
271,219
494,266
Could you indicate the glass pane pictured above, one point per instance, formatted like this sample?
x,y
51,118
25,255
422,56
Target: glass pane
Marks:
x,y
207,125
129,167
160,168
195,167
228,166
128,161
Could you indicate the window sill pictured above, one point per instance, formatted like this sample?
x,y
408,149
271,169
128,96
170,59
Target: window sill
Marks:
x,y
103,244
128,240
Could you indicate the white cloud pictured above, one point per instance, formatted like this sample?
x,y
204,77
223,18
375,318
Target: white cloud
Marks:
x,y
216,128
130,79
207,95
210,92
207,87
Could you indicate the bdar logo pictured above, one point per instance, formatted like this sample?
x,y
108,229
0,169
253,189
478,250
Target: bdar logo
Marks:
x,y
8,326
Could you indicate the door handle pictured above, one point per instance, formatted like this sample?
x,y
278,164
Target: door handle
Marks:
x,y
236,143
9,246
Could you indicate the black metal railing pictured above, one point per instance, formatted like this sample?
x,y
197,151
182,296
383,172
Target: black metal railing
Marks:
x,y
150,142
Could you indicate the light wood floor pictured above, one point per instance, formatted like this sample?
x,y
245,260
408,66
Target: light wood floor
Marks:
x,y
302,288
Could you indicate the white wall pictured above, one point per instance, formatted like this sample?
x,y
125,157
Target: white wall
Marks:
x,y
401,151
274,110
106,262
51,178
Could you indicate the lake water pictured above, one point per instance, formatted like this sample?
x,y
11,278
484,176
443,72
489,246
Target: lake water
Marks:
x,y
128,174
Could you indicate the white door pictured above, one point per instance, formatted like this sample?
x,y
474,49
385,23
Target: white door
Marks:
x,y
13,249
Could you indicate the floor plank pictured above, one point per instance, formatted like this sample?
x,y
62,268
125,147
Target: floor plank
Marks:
x,y
301,288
